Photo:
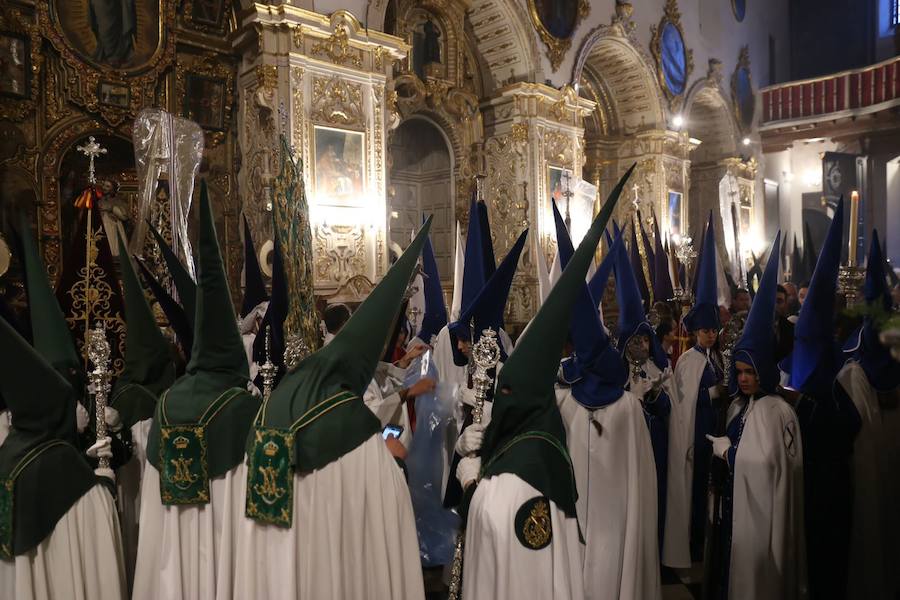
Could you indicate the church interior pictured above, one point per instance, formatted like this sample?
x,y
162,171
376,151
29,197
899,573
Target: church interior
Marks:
x,y
326,132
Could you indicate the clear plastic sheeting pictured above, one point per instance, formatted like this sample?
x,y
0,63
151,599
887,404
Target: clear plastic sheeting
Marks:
x,y
436,526
169,148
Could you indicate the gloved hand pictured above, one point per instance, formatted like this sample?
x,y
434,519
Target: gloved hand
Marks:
x,y
467,470
101,449
113,420
81,417
721,445
639,386
470,440
466,396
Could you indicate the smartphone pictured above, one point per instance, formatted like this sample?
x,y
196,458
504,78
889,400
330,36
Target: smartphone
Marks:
x,y
391,430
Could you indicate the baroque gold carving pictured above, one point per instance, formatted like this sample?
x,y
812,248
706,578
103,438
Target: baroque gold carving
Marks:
x,y
337,102
557,47
267,76
337,48
23,99
339,252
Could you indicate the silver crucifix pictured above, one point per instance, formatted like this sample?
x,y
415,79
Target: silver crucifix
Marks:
x,y
92,150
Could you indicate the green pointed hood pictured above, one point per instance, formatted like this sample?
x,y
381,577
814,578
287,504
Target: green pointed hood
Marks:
x,y
184,284
336,376
42,405
149,369
51,335
526,435
218,363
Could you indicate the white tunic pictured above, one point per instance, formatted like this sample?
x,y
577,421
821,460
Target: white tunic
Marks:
x,y
187,552
80,560
768,549
497,566
616,479
128,494
676,550
874,570
353,536
383,399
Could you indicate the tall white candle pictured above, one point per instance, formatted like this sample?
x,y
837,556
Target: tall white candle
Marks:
x,y
854,222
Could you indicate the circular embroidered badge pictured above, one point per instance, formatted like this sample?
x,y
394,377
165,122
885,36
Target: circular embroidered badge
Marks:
x,y
533,525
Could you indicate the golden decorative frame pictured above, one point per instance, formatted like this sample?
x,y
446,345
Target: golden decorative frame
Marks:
x,y
557,47
141,80
743,63
187,15
211,67
13,22
671,15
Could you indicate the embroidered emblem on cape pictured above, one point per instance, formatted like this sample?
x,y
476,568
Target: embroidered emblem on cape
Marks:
x,y
6,518
533,526
184,478
270,477
790,438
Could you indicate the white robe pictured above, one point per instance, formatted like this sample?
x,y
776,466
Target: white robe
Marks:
x,y
768,548
498,567
80,560
875,534
4,425
383,399
353,536
128,495
187,552
616,479
676,550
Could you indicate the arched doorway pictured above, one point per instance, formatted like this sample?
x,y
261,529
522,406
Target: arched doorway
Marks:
x,y
421,183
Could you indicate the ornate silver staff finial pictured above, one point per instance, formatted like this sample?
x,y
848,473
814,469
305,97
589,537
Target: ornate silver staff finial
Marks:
x,y
568,195
92,150
479,187
486,355
268,370
98,353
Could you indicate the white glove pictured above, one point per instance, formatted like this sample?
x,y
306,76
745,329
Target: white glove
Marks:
x,y
468,469
466,396
639,386
470,440
81,417
721,446
101,448
113,420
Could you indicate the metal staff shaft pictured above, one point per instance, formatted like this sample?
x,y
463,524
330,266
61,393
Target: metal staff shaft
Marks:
x,y
98,352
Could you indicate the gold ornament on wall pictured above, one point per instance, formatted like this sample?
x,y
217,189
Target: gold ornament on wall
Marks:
x,y
204,93
337,48
556,22
335,101
674,60
20,64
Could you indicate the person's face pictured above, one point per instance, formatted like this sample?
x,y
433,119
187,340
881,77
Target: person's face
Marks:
x,y
748,380
706,338
741,302
464,347
781,304
801,295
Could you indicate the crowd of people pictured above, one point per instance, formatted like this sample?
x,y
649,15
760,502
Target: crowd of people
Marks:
x,y
757,440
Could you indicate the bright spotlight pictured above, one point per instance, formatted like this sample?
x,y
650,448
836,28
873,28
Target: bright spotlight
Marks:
x,y
678,121
746,141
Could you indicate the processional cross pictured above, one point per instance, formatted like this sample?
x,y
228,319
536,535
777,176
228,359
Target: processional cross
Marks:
x,y
92,150
568,194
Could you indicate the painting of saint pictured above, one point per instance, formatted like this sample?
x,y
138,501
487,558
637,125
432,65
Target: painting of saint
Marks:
x,y
339,165
204,101
558,17
121,34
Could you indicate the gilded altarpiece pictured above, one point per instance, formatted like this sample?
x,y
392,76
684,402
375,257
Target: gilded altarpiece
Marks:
x,y
79,83
322,83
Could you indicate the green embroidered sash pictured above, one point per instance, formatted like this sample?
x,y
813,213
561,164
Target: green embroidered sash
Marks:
x,y
270,472
184,471
7,496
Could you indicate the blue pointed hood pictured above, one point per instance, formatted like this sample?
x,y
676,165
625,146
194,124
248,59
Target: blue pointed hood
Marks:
x,y
757,344
474,273
649,251
486,309
595,371
632,318
705,312
814,333
487,243
662,281
875,359
435,316
597,284
638,268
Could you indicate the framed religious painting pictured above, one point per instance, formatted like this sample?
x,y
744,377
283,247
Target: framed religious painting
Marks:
x,y
15,65
674,206
742,97
674,61
556,21
339,166
209,13
557,179
113,94
204,101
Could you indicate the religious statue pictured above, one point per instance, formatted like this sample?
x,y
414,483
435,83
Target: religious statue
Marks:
x,y
431,43
115,212
113,23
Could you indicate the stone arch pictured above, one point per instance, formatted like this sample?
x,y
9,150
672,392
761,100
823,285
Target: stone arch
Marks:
x,y
502,35
708,118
